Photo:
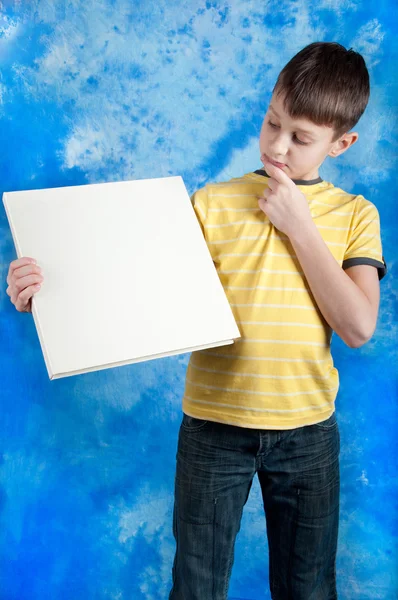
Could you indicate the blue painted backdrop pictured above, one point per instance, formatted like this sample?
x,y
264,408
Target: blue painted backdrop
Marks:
x,y
105,90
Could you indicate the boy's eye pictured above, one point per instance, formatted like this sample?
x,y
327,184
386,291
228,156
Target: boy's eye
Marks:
x,y
273,125
298,141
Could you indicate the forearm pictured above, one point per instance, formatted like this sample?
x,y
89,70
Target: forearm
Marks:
x,y
342,303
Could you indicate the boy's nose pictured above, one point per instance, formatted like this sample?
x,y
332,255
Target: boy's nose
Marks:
x,y
278,148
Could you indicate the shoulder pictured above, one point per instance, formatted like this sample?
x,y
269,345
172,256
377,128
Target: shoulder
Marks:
x,y
364,211
357,203
248,183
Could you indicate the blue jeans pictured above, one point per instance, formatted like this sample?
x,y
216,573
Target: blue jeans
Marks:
x,y
298,471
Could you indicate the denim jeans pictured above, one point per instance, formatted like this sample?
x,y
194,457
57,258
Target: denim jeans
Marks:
x,y
298,471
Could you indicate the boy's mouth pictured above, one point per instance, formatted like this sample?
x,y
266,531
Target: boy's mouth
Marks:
x,y
265,158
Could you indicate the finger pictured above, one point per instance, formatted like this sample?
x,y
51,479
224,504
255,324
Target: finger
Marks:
x,y
20,272
266,194
23,301
25,263
21,262
277,173
263,205
273,184
20,285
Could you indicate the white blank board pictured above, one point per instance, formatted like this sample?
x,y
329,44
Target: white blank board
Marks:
x,y
127,274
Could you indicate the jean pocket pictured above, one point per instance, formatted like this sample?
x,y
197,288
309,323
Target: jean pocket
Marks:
x,y
192,423
329,424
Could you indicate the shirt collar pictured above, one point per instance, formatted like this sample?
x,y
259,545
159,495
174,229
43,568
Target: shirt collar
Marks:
x,y
296,181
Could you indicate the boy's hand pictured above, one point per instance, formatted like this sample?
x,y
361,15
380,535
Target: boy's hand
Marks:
x,y
24,280
283,203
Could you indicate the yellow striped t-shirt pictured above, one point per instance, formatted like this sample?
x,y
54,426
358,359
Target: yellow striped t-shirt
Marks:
x,y
280,373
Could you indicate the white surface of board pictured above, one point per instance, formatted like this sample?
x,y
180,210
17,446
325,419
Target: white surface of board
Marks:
x,y
127,273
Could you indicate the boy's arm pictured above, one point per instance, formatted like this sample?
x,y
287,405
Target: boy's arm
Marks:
x,y
348,300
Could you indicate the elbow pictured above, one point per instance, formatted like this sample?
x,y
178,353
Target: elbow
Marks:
x,y
361,336
356,343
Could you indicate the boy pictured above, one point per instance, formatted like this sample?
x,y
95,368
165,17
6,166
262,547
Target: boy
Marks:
x,y
298,258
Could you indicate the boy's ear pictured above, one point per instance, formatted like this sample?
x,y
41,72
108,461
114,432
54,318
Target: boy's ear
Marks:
x,y
343,143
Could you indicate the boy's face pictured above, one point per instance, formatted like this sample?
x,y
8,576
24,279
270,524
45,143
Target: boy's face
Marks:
x,y
298,146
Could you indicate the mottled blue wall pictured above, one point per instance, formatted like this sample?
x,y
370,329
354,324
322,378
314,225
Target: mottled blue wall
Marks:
x,y
104,90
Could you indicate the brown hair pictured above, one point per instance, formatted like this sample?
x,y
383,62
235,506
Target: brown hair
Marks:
x,y
326,84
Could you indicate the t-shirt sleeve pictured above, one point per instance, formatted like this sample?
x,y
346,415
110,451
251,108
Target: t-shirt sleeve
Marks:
x,y
200,205
364,242
200,202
